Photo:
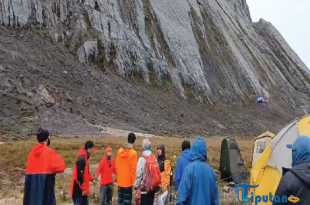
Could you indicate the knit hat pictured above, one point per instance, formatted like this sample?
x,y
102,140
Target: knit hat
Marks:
x,y
42,135
108,149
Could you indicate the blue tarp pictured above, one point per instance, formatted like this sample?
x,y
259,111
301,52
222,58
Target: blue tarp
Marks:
x,y
260,100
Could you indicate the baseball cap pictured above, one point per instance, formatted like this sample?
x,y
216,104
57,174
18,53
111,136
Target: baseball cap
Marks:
x,y
290,146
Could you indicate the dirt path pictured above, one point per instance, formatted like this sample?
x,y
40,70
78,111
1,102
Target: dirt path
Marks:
x,y
109,131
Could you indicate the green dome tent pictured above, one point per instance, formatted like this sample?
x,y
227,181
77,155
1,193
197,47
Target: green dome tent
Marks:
x,y
232,167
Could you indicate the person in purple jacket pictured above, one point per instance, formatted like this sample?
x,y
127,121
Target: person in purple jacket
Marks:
x,y
182,162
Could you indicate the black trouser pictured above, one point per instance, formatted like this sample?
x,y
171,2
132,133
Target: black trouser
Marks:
x,y
106,194
83,200
147,199
124,195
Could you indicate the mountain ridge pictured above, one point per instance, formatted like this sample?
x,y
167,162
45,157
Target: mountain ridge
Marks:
x,y
210,51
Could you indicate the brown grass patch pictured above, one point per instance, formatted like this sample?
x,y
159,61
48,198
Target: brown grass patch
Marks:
x,y
14,157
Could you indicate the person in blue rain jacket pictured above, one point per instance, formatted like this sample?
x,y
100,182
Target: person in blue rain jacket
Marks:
x,y
182,162
296,180
198,184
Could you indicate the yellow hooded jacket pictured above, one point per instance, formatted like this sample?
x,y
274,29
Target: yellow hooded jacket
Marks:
x,y
165,176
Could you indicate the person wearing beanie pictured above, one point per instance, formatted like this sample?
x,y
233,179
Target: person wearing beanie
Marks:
x,y
182,162
165,168
105,173
43,164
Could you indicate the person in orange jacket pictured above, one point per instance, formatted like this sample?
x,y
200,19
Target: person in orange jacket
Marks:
x,y
81,176
42,165
105,173
126,165
165,168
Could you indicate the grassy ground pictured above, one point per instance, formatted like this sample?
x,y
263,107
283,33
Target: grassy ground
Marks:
x,y
14,157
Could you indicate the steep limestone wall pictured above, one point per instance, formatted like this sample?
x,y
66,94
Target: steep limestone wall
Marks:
x,y
210,46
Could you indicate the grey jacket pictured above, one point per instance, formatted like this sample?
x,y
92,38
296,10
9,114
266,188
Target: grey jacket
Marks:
x,y
141,168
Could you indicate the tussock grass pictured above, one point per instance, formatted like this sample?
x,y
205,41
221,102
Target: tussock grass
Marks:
x,y
13,158
14,154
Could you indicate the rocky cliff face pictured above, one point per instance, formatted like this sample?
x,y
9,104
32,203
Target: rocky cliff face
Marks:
x,y
211,47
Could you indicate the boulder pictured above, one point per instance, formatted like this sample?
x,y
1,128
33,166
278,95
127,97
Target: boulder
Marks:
x,y
46,98
88,52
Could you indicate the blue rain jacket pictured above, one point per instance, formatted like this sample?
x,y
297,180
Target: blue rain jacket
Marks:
x,y
301,150
198,184
183,161
296,180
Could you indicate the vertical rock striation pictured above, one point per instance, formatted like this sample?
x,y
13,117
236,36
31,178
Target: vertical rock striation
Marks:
x,y
210,46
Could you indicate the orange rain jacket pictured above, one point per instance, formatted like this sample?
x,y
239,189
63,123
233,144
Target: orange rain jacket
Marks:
x,y
42,165
126,166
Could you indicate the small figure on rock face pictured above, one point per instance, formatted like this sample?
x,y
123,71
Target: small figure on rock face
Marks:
x,y
260,100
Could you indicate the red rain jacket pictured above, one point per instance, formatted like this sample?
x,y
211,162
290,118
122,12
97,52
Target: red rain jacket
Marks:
x,y
106,169
42,165
87,177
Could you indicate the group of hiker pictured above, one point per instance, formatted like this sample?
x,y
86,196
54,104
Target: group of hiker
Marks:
x,y
137,178
147,175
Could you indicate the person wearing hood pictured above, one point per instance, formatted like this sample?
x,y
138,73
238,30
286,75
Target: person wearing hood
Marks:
x,y
165,168
182,162
43,164
296,180
198,183
105,173
81,175
126,165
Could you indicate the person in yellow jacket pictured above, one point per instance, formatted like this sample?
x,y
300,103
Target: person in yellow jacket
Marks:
x,y
165,168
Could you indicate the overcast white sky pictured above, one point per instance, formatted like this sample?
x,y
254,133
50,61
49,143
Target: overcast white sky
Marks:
x,y
291,18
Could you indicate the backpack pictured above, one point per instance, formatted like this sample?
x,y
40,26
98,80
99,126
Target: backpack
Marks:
x,y
152,179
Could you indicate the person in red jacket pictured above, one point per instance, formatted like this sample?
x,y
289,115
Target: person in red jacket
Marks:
x,y
81,176
42,165
105,171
